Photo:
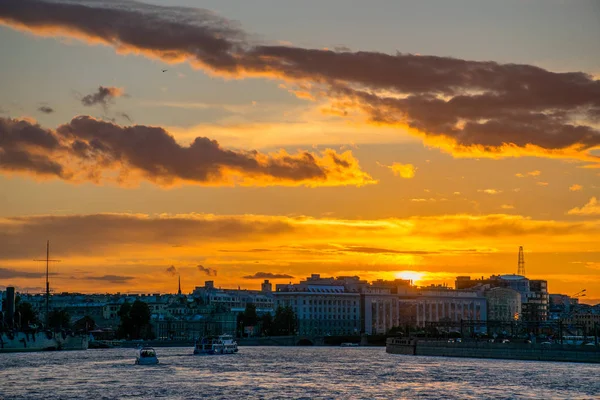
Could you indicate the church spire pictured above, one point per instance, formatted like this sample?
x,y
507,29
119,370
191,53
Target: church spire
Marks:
x,y
179,291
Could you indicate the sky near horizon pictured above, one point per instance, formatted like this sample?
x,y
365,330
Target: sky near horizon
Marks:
x,y
383,139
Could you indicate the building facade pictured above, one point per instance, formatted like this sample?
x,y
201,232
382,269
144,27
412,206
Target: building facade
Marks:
x,y
323,306
503,304
449,306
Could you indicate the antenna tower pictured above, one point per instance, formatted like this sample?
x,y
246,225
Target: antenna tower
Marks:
x,y
47,260
521,269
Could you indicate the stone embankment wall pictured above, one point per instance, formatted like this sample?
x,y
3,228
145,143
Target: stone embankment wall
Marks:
x,y
511,351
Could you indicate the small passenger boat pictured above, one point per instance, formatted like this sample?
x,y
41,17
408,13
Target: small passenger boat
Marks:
x,y
224,344
146,356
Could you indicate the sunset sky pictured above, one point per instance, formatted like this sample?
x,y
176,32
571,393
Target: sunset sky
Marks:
x,y
383,139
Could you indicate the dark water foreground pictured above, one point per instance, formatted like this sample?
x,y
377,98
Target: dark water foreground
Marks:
x,y
288,372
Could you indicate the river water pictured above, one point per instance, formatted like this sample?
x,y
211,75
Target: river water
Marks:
x,y
288,372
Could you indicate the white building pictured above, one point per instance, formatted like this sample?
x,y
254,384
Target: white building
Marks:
x,y
448,305
323,306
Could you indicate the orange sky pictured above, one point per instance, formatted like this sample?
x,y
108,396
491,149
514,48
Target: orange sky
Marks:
x,y
252,159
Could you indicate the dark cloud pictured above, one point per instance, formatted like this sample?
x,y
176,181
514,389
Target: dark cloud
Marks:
x,y
268,275
111,278
25,289
467,103
171,270
90,149
8,273
46,109
25,146
207,271
102,96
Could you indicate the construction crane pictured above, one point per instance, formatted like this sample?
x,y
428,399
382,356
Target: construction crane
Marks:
x,y
521,264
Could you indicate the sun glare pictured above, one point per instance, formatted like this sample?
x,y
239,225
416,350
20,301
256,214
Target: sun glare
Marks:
x,y
410,275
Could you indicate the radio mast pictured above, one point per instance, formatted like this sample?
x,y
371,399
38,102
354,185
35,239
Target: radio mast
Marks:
x,y
47,260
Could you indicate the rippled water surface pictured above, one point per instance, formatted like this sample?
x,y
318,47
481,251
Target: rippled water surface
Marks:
x,y
288,372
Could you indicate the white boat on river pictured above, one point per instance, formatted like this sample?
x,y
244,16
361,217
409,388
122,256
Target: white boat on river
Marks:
x,y
224,344
146,356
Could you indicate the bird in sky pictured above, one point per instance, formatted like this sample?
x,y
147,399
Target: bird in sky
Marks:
x,y
164,70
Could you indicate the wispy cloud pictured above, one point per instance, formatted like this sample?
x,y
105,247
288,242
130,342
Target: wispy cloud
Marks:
x,y
592,207
103,96
207,271
9,273
531,173
489,191
575,188
116,279
171,270
46,109
268,275
406,171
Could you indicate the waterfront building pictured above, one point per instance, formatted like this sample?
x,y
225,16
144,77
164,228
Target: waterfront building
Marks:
x,y
503,304
534,293
380,308
323,306
442,304
236,300
204,321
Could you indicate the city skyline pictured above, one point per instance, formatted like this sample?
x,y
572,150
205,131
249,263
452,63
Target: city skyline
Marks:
x,y
231,145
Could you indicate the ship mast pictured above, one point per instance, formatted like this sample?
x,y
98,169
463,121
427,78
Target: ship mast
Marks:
x,y
47,281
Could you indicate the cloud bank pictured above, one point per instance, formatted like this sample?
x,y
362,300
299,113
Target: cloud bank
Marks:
x,y
86,149
274,235
470,108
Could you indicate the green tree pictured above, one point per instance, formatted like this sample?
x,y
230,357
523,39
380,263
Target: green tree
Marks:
x,y
240,324
140,318
250,316
125,329
59,319
285,322
27,314
135,321
266,322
